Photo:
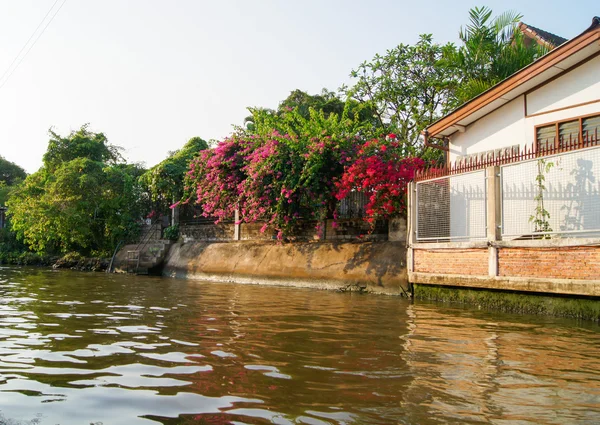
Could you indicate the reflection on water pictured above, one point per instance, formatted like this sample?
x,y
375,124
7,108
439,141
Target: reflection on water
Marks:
x,y
89,348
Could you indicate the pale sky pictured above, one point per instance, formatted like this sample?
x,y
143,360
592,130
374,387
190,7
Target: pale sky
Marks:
x,y
151,74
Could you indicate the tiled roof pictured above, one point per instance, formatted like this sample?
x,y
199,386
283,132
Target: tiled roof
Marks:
x,y
545,36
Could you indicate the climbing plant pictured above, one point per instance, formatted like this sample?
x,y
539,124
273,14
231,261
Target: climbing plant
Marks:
x,y
540,218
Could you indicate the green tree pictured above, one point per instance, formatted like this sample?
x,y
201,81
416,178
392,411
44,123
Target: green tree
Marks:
x,y
83,199
407,88
326,102
10,173
164,181
493,48
80,144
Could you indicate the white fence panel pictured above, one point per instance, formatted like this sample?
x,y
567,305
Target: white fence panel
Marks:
x,y
553,195
452,208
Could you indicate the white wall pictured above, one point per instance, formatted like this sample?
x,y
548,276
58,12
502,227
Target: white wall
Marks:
x,y
502,128
577,86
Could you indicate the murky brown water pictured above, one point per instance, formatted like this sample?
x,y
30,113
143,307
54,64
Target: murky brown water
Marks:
x,y
87,348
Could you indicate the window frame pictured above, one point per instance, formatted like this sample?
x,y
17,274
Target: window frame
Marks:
x,y
557,144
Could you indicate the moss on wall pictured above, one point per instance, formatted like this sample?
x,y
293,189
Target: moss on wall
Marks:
x,y
513,302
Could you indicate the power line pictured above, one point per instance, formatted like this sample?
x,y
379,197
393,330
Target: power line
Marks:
x,y
8,74
27,42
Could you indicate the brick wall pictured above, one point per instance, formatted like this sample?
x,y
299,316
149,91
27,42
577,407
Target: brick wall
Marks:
x,y
456,261
582,262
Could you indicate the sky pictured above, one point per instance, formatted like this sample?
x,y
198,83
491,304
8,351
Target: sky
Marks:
x,y
151,74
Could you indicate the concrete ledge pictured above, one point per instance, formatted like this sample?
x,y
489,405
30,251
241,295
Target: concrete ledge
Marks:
x,y
528,243
449,245
590,288
547,243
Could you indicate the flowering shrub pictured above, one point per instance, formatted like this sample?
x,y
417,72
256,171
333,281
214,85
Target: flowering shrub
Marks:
x,y
300,174
214,176
273,177
382,172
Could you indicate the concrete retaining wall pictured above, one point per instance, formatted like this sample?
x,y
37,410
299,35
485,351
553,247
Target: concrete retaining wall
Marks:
x,y
377,267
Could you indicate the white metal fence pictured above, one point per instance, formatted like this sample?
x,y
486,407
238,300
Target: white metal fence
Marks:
x,y
452,208
554,195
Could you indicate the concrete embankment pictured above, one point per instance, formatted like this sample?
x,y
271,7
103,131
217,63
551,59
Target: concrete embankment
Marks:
x,y
377,267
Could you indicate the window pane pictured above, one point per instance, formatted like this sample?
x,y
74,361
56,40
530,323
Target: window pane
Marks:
x,y
568,133
546,136
591,129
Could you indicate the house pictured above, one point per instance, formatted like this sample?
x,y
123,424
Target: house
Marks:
x,y
553,99
541,37
518,205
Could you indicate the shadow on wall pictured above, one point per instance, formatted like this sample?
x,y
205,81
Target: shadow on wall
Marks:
x,y
378,259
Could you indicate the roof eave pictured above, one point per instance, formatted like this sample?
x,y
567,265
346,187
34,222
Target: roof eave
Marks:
x,y
565,50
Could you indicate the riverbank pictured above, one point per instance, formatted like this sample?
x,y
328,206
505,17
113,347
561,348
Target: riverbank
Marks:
x,y
70,261
374,267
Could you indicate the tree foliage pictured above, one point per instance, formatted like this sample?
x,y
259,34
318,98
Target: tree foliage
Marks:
x,y
79,144
407,88
303,103
492,49
164,181
83,199
10,173
282,172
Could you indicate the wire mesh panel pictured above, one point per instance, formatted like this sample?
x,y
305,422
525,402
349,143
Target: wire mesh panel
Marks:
x,y
452,208
558,194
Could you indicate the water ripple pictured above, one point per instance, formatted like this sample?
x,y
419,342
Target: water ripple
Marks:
x,y
170,351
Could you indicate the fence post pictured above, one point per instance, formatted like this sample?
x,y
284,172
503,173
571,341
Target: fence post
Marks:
x,y
493,219
411,223
236,225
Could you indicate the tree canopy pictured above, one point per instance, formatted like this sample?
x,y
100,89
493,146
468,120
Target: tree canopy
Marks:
x,y
164,181
83,199
492,49
10,173
406,88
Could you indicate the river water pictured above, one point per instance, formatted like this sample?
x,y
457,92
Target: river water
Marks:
x,y
81,348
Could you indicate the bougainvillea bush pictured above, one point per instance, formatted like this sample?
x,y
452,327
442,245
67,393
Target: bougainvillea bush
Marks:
x,y
383,173
276,175
292,169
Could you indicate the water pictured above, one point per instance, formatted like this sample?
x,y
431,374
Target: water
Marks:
x,y
89,348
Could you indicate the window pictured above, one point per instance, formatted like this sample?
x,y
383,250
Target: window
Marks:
x,y
546,136
591,128
576,133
